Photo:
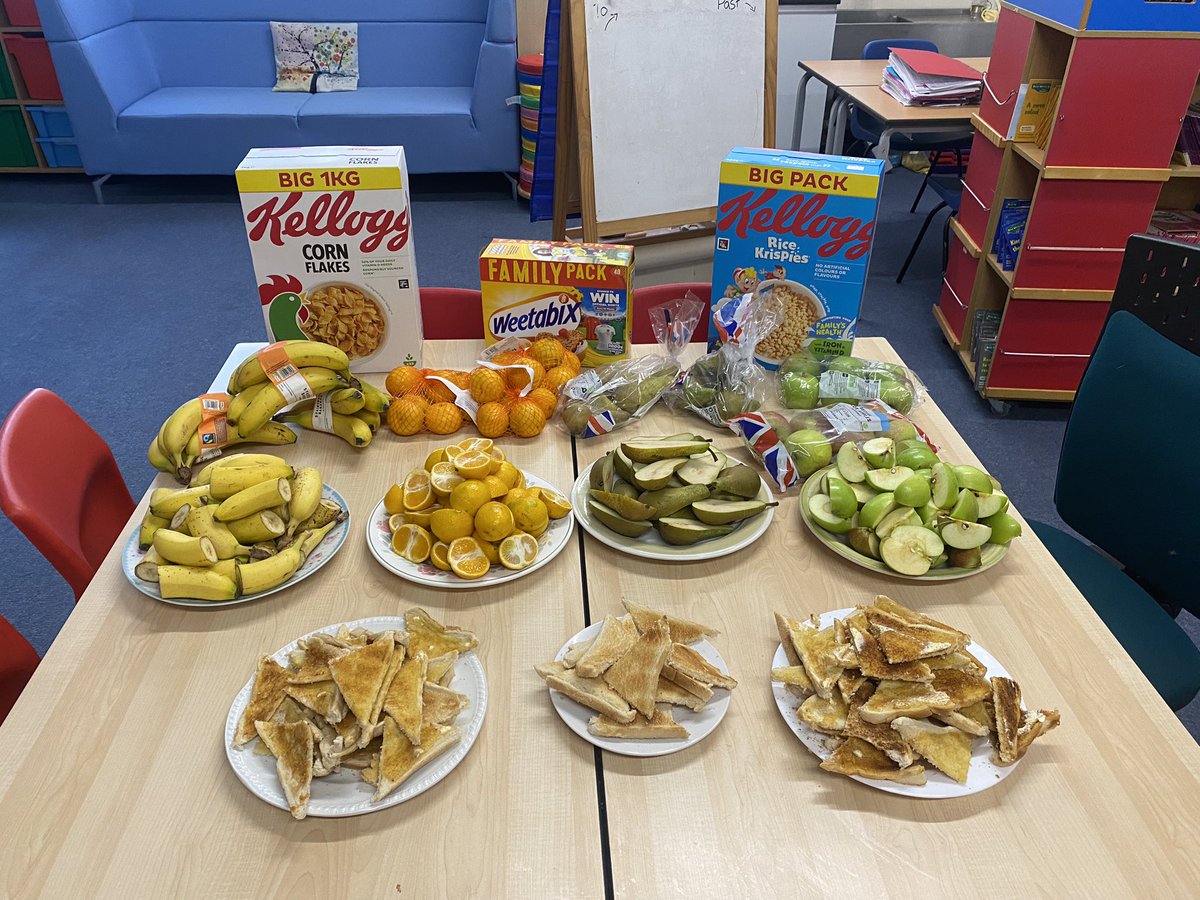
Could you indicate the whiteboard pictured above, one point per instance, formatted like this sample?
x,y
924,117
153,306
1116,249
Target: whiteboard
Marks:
x,y
672,87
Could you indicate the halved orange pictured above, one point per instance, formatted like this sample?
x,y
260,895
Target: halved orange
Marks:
x,y
438,556
393,500
412,542
467,559
417,492
443,478
518,551
473,464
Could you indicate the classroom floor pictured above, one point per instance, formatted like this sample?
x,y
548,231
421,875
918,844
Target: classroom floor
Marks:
x,y
128,309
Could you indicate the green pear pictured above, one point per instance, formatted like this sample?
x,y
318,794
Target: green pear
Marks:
x,y
966,508
653,476
725,512
841,498
596,474
689,531
575,415
668,501
648,450
965,535
701,470
944,486
624,488
1004,528
609,518
623,465
910,550
626,507
738,479
822,513
851,464
973,479
875,509
880,452
913,491
888,479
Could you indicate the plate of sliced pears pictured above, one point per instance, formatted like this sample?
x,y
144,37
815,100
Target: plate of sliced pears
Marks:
x,y
674,497
898,509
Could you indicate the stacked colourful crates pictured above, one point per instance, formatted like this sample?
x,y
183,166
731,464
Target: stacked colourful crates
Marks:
x,y
529,77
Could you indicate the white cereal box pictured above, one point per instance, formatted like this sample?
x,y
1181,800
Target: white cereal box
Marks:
x,y
330,232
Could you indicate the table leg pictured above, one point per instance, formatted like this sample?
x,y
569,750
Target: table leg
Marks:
x,y
798,116
837,139
883,148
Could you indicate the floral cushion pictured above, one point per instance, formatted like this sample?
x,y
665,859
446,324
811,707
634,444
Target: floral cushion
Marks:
x,y
315,57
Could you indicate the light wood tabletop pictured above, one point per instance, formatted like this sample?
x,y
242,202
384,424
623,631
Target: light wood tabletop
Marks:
x,y
117,782
892,112
1107,804
840,73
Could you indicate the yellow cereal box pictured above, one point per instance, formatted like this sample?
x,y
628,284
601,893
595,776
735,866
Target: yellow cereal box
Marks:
x,y
578,293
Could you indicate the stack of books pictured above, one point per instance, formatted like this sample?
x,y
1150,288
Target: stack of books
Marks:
x,y
1178,224
985,328
1189,135
1010,231
925,78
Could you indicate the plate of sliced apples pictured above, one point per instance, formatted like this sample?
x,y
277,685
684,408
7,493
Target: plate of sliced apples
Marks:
x,y
898,509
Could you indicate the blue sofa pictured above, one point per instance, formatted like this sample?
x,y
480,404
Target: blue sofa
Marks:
x,y
184,86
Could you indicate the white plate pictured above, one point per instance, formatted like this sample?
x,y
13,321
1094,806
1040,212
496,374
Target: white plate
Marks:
x,y
699,724
344,793
550,544
321,555
981,775
651,546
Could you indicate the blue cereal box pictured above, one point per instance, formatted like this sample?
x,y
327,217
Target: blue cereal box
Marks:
x,y
799,225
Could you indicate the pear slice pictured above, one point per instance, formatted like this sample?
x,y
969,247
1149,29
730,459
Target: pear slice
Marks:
x,y
689,531
701,470
973,479
965,559
724,512
648,450
653,476
610,519
624,488
864,541
823,515
623,466
888,479
875,509
901,515
863,492
944,485
625,507
965,535
596,473
966,507
738,479
668,501
910,550
991,504
841,499
851,464
880,452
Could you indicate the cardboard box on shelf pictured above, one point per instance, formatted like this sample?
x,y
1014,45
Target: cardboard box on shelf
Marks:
x,y
578,293
330,233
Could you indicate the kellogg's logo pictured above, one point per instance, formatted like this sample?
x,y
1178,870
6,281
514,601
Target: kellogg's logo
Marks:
x,y
278,218
799,215
546,313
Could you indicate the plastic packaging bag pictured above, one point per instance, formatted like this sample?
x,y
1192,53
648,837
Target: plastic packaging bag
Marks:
x,y
728,382
606,397
807,381
793,446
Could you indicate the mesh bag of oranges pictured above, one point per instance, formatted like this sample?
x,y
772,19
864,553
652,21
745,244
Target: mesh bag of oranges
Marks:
x,y
467,509
514,391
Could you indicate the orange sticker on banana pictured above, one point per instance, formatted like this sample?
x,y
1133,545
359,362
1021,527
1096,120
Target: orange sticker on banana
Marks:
x,y
213,429
282,372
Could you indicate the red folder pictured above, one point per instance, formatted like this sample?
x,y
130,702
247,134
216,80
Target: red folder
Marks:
x,y
926,62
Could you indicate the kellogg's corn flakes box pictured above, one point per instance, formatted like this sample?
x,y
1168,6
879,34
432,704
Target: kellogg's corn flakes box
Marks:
x,y
800,226
330,233
578,293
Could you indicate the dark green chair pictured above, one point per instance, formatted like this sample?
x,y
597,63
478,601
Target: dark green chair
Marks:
x,y
1129,472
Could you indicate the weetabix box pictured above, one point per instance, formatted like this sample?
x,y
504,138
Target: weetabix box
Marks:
x,y
799,225
578,293
330,232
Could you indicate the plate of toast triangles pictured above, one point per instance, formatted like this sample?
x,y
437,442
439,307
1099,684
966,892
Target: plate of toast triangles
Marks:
x,y
927,726
642,684
358,717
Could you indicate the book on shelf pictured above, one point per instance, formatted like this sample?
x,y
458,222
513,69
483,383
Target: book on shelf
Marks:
x,y
1189,135
1010,231
985,328
925,78
1178,224
1037,99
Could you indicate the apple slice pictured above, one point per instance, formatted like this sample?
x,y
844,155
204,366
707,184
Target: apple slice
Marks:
x,y
901,516
864,541
875,509
928,513
991,504
965,535
1004,528
880,452
966,507
965,559
913,491
973,479
823,515
841,499
863,492
910,550
850,463
945,486
888,479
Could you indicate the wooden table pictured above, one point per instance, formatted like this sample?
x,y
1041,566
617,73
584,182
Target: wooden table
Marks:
x,y
907,120
117,783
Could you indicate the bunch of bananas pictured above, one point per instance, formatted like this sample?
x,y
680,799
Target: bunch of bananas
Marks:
x,y
357,412
245,525
176,447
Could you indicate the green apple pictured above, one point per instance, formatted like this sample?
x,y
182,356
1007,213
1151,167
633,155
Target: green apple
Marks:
x,y
851,464
909,443
910,550
913,491
917,458
803,420
901,515
928,513
888,479
864,541
927,474
880,452
799,391
1004,528
846,364
841,498
991,504
902,430
965,535
973,479
810,450
822,513
875,509
966,507
945,485
801,364
896,395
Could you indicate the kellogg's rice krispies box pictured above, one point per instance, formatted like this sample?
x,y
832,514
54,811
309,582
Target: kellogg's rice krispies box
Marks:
x,y
579,293
798,225
331,237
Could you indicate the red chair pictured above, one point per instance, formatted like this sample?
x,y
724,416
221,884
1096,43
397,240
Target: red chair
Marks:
x,y
17,662
61,486
646,297
450,314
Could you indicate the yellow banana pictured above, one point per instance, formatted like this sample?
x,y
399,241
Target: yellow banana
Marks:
x,y
240,400
158,458
271,433
326,512
179,427
150,524
373,419
271,572
257,528
229,480
352,430
271,400
201,522
147,569
347,401
187,582
179,520
306,496
165,502
303,354
263,495
374,400
235,459
184,550
311,539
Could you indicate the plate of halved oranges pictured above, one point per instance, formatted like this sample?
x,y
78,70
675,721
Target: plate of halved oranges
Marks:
x,y
468,518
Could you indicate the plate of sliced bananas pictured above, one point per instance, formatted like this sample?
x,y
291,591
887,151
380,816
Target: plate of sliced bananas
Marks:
x,y
249,525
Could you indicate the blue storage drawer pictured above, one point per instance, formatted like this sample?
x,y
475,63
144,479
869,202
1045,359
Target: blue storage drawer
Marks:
x,y
1118,15
51,121
60,153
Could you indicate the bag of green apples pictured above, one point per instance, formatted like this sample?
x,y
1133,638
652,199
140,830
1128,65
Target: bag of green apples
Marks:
x,y
728,382
791,446
608,396
807,381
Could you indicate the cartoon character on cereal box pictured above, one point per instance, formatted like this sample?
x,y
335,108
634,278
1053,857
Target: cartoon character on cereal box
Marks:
x,y
745,280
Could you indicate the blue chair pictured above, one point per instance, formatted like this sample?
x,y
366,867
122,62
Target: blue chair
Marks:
x,y
949,189
1144,376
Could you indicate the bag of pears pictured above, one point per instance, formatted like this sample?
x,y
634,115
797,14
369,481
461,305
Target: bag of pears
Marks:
x,y
806,381
603,399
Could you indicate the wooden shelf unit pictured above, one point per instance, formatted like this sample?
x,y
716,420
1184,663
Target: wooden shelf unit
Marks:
x,y
1099,179
23,101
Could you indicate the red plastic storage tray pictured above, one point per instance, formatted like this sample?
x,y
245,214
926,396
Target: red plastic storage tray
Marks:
x,y
22,13
32,56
